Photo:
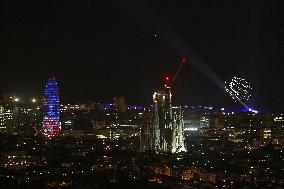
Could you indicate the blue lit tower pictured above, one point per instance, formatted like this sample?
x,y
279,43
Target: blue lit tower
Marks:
x,y
51,123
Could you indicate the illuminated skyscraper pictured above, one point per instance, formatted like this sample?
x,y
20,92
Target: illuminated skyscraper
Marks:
x,y
165,129
178,130
51,122
162,109
147,131
2,120
168,123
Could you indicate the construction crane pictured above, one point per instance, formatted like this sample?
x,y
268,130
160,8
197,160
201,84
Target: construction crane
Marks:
x,y
171,127
168,82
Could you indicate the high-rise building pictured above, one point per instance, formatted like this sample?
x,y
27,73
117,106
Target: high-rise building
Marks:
x,y
19,117
147,131
162,124
178,130
9,121
168,123
2,120
164,131
9,98
51,122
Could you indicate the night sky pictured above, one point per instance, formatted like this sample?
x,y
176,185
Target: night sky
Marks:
x,y
101,49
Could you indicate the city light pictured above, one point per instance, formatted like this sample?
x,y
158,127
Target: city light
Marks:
x,y
191,129
51,122
99,126
252,110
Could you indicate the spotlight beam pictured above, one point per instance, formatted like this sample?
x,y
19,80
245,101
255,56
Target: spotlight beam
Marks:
x,y
183,61
149,19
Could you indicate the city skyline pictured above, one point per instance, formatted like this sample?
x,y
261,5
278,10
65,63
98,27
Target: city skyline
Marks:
x,y
106,50
142,94
238,106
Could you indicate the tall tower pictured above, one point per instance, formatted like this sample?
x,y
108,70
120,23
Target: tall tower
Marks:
x,y
178,130
162,120
168,121
147,131
163,129
51,122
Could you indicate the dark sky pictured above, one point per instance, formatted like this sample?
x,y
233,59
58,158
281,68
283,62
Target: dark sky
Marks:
x,y
102,49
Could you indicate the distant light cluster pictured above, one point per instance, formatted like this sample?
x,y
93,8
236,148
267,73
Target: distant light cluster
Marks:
x,y
238,89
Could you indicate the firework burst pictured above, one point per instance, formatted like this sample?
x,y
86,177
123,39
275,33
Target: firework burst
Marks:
x,y
238,89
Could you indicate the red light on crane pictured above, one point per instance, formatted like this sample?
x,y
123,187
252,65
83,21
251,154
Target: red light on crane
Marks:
x,y
167,81
167,78
183,61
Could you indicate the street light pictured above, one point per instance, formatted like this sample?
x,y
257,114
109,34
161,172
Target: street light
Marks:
x,y
16,99
33,100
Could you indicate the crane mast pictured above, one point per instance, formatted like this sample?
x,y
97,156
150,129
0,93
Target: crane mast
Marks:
x,y
168,82
168,120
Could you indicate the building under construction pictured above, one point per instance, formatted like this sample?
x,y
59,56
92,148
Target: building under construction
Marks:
x,y
162,126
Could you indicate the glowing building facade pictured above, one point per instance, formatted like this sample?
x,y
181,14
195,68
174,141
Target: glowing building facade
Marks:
x,y
168,123
2,120
147,131
162,110
51,122
163,128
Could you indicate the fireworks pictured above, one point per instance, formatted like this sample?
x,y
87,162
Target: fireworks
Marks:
x,y
238,89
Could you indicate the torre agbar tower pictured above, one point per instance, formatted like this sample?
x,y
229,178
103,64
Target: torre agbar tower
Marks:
x,y
51,123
